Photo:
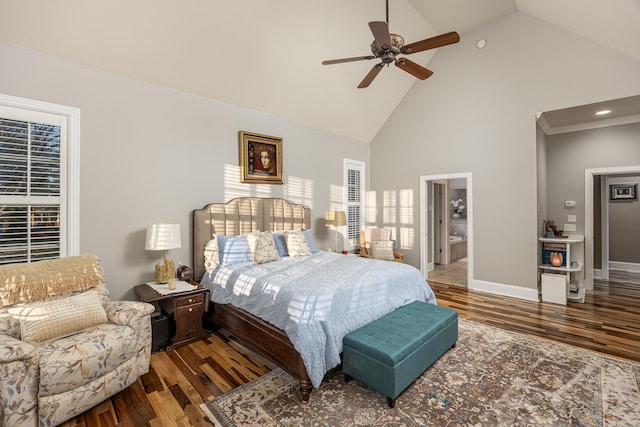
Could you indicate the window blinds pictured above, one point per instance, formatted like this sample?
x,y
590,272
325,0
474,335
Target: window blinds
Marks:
x,y
354,199
29,191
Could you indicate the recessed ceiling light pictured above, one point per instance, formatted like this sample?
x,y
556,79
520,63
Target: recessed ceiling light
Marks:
x,y
603,112
481,43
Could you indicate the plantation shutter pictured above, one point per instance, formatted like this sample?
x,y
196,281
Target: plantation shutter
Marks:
x,y
354,199
31,200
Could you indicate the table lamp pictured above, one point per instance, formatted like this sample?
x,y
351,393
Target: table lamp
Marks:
x,y
162,237
336,219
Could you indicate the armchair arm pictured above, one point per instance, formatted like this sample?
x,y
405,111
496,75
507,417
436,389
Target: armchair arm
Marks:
x,y
19,373
128,313
136,315
364,253
399,256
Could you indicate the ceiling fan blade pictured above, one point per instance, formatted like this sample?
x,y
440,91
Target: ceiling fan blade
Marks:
x,y
370,76
339,61
380,30
414,69
431,43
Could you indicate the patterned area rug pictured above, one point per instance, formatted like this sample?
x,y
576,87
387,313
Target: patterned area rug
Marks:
x,y
492,377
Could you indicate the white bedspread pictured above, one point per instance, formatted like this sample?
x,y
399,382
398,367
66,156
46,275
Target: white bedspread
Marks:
x,y
318,299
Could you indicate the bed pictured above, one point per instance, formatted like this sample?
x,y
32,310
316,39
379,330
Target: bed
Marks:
x,y
304,342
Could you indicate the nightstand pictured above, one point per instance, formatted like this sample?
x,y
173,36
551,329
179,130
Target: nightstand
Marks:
x,y
185,310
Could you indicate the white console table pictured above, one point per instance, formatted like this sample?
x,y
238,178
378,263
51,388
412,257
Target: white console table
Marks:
x,y
571,275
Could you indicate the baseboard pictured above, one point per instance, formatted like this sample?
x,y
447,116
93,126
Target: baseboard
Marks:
x,y
506,290
597,273
624,266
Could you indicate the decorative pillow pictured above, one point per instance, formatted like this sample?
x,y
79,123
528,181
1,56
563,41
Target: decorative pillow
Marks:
x,y
233,249
44,321
211,255
382,250
310,242
296,243
376,234
281,243
263,247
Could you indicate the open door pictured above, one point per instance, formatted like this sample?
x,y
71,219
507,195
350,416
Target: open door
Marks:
x,y
435,214
440,223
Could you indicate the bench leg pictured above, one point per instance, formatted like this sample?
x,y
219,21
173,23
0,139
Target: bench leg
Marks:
x,y
391,402
454,344
347,378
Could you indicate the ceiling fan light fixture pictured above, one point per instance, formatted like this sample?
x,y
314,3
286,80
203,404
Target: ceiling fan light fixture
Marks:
x,y
386,46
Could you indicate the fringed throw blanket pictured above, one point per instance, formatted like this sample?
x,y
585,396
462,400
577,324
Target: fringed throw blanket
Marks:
x,y
38,280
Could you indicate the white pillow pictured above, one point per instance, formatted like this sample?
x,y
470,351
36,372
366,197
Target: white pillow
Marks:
x,y
211,255
43,321
263,247
382,250
296,243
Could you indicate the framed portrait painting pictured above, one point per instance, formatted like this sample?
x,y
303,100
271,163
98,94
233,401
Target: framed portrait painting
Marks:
x,y
260,158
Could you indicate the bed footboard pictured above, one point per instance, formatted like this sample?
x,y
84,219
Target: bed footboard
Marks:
x,y
265,338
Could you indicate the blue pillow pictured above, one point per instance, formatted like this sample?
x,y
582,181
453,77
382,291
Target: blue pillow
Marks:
x,y
310,242
233,249
281,243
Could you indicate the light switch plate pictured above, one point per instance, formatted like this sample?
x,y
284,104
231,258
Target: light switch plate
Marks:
x,y
569,227
571,218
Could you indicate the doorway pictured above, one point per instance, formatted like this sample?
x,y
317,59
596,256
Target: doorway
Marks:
x,y
602,249
446,223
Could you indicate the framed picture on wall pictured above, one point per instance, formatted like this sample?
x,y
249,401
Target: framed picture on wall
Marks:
x,y
260,158
627,191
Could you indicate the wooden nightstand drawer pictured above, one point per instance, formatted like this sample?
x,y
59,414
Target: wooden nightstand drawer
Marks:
x,y
185,311
189,300
190,310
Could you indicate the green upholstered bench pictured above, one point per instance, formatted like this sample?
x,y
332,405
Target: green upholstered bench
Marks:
x,y
388,354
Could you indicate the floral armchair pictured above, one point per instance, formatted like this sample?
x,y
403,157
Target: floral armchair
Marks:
x,y
376,243
64,345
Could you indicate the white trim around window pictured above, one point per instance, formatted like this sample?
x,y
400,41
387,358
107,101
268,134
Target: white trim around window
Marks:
x,y
69,162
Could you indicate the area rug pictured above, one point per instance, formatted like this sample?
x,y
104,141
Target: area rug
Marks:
x,y
492,377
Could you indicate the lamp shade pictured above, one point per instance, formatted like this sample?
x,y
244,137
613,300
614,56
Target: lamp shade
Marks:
x,y
335,218
162,237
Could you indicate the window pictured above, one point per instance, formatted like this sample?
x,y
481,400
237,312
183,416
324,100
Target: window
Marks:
x,y
354,199
38,180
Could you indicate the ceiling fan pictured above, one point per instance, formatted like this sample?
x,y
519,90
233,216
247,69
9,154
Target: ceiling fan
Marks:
x,y
386,46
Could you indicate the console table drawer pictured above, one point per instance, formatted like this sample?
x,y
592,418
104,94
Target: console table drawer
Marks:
x,y
189,300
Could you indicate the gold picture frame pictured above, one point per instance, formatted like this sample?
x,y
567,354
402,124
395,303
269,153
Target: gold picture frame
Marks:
x,y
260,158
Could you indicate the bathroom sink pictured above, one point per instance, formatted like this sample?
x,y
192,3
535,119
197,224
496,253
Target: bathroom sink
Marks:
x,y
455,238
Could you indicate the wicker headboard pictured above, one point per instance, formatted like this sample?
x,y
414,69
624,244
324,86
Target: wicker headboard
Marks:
x,y
242,215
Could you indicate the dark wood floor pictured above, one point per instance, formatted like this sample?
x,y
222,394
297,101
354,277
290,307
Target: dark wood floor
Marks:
x,y
181,379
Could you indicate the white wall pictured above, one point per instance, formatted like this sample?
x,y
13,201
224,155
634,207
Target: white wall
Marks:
x,y
151,154
477,114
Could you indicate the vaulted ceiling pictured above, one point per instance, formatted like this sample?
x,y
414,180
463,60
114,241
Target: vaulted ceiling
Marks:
x,y
266,55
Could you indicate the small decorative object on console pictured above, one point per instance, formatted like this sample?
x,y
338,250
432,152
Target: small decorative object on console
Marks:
x,y
185,273
556,259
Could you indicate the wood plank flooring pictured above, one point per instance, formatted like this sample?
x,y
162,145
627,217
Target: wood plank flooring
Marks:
x,y
181,379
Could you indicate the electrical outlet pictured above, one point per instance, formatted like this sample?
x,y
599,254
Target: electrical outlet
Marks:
x,y
569,227
571,218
